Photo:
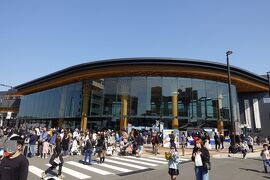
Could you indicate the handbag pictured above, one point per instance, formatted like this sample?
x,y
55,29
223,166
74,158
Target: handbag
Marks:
x,y
98,149
57,160
168,155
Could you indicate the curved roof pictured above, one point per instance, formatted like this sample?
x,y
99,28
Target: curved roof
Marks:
x,y
244,80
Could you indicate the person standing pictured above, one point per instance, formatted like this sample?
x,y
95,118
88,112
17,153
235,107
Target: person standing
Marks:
x,y
201,159
14,166
174,163
32,143
65,144
88,150
172,140
221,137
217,141
45,149
140,142
101,148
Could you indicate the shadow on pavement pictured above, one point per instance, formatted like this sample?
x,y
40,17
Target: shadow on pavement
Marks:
x,y
253,170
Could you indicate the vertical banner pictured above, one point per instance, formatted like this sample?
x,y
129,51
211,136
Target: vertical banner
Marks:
x,y
256,114
247,113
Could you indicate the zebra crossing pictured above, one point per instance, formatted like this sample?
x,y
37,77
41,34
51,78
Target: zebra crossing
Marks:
x,y
114,166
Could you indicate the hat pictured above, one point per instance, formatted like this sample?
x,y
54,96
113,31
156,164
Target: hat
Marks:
x,y
10,145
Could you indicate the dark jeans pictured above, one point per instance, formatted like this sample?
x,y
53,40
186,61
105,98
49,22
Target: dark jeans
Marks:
x,y
265,164
217,144
201,173
88,155
250,147
54,165
222,144
244,152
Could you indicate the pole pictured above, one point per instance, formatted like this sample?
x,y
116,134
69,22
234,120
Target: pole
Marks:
x,y
268,82
230,98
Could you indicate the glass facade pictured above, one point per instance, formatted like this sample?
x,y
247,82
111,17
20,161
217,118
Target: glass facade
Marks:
x,y
45,106
141,100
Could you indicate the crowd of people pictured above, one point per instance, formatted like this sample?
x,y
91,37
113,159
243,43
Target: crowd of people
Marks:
x,y
58,143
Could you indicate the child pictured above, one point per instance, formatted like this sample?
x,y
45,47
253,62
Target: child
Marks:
x,y
265,157
173,163
45,149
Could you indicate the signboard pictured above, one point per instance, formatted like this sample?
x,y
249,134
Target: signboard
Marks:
x,y
266,100
166,137
256,114
8,115
247,113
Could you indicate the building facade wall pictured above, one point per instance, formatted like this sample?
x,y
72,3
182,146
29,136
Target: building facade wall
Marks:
x,y
264,112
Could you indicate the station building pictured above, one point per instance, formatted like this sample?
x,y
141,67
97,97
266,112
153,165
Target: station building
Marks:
x,y
138,92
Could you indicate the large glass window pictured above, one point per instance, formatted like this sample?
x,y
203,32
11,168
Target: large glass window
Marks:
x,y
184,97
198,100
154,96
142,100
169,90
211,100
54,103
138,101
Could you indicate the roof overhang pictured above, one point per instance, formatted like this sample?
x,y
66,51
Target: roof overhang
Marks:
x,y
244,81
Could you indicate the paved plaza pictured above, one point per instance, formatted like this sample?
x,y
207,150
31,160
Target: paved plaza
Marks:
x,y
152,167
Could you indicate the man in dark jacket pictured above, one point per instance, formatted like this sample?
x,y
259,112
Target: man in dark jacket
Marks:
x,y
14,166
32,143
221,137
217,141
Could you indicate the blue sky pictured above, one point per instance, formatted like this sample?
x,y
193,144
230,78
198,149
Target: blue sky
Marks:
x,y
41,37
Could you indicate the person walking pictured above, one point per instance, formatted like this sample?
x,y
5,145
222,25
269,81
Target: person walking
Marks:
x,y
244,148
55,160
250,143
201,159
173,164
265,157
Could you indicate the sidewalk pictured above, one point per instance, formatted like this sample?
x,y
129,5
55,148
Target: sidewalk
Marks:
x,y
222,153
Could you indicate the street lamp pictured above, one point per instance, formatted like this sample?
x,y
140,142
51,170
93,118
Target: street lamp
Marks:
x,y
6,86
268,77
230,99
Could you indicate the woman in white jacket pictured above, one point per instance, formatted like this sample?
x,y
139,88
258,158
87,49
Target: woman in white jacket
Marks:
x,y
173,164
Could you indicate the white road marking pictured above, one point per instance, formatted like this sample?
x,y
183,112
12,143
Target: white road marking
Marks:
x,y
73,173
114,167
133,161
38,172
148,160
162,159
89,168
125,164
